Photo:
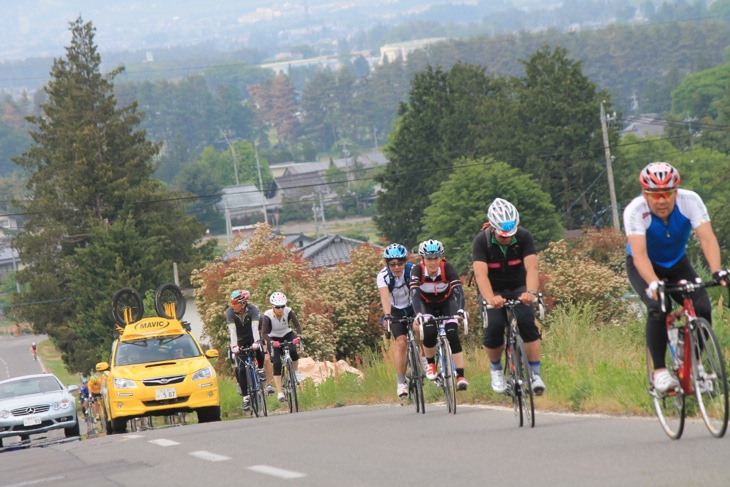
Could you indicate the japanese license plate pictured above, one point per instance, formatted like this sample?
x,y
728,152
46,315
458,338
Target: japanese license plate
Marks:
x,y
165,393
31,421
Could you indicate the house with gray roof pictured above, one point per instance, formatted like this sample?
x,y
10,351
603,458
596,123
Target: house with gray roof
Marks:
x,y
330,250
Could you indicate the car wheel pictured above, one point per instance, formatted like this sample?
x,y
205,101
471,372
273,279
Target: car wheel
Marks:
x,y
73,430
209,414
119,425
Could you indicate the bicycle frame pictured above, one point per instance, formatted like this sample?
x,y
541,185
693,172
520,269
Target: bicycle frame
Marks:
x,y
414,372
517,370
695,358
288,378
446,378
257,400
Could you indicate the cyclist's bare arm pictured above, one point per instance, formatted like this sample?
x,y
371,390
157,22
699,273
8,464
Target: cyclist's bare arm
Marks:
x,y
384,299
641,259
532,280
710,246
481,274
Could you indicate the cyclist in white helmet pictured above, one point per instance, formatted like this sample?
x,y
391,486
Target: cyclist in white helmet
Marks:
x,y
505,267
436,290
276,323
658,224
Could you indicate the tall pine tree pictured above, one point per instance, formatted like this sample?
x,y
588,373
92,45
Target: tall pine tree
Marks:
x,y
96,221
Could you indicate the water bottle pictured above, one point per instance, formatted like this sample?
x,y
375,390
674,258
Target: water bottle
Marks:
x,y
673,339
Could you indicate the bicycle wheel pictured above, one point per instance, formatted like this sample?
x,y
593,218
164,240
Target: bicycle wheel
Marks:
x,y
524,380
293,388
286,386
127,303
415,377
447,372
669,407
169,302
511,361
251,385
709,381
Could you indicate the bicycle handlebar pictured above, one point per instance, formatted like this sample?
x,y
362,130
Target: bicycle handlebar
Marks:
x,y
685,287
536,303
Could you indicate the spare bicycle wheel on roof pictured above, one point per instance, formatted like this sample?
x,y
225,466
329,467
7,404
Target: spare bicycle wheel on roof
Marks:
x,y
169,301
127,306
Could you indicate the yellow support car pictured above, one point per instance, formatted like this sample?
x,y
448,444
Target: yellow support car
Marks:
x,y
157,367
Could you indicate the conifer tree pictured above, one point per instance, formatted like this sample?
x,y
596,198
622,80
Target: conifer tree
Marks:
x,y
96,220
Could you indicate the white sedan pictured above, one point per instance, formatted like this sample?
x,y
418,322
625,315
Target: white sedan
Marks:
x,y
34,404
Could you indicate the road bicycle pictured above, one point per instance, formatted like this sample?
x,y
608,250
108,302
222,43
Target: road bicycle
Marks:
x,y
446,377
414,368
246,358
89,417
695,359
517,370
288,376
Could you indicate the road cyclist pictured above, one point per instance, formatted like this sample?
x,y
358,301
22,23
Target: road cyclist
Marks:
x,y
276,327
94,394
395,299
34,351
658,224
505,267
242,317
436,291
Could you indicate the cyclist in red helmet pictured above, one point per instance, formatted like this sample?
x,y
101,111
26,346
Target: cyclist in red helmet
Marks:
x,y
658,224
242,318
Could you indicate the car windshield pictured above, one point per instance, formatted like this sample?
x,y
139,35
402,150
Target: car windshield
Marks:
x,y
28,386
156,349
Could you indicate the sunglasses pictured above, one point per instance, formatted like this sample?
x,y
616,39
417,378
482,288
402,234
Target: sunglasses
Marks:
x,y
396,263
279,307
660,194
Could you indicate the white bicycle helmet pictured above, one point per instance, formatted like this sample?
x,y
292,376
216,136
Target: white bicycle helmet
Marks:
x,y
277,299
658,176
504,217
431,248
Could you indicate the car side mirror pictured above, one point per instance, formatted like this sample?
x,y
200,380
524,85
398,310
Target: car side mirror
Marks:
x,y
73,388
212,353
102,366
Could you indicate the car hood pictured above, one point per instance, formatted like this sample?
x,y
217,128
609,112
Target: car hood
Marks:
x,y
32,399
157,369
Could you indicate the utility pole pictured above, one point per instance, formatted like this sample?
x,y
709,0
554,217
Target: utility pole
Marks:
x,y
609,171
261,184
233,153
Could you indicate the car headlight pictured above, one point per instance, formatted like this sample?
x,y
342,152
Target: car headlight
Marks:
x,y
62,404
120,383
205,373
4,414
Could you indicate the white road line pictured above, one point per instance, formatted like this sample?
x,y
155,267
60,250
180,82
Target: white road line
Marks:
x,y
37,481
276,472
211,457
132,437
164,442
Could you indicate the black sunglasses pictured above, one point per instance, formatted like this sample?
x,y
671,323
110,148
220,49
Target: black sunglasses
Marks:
x,y
396,263
279,307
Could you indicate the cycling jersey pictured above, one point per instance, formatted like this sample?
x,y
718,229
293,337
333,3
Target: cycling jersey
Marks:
x,y
241,325
94,385
506,264
400,296
425,289
278,328
666,243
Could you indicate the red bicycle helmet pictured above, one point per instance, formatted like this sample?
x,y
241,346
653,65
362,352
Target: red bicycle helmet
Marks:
x,y
658,176
240,296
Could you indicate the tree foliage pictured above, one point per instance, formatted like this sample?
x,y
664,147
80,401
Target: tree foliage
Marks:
x,y
96,220
459,208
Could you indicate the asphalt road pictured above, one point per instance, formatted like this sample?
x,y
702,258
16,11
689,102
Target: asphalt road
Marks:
x,y
381,445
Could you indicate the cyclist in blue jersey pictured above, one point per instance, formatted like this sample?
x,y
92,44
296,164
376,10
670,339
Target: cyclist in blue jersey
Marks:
x,y
392,282
658,224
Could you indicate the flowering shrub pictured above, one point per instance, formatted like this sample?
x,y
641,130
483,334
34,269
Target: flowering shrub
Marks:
x,y
570,275
334,306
